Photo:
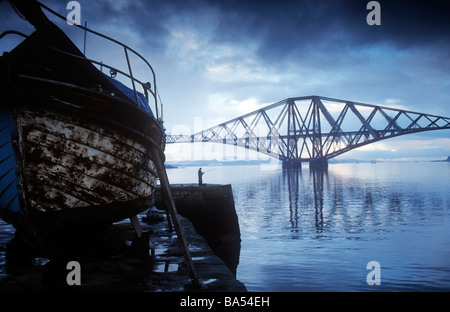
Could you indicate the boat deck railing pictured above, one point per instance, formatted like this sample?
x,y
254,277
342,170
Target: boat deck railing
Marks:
x,y
149,88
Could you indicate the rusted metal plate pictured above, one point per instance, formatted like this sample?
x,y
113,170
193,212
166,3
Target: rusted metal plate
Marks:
x,y
71,163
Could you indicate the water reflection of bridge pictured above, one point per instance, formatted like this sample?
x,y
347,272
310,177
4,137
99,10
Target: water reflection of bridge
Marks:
x,y
293,182
314,129
325,201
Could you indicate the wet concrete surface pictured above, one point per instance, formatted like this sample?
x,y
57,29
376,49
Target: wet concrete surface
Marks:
x,y
118,262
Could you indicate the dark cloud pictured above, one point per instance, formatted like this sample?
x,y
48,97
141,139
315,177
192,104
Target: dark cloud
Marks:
x,y
286,27
281,27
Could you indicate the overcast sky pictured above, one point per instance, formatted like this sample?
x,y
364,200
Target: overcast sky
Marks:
x,y
216,60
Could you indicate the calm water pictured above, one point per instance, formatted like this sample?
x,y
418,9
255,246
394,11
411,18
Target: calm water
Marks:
x,y
304,231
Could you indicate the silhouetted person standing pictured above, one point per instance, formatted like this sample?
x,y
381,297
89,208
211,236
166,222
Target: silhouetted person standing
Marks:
x,y
200,177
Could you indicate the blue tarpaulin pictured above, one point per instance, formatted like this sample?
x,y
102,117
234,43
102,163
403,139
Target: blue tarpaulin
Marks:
x,y
142,101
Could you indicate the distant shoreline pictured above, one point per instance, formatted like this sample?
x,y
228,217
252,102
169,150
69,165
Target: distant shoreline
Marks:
x,y
205,163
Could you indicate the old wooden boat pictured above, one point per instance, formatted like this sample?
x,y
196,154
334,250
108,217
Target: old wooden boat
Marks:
x,y
77,147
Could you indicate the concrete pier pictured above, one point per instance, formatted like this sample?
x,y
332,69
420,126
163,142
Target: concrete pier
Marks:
x,y
211,210
121,263
292,164
314,164
318,164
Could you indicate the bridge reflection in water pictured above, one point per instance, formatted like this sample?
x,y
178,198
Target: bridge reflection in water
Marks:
x,y
293,176
314,129
362,198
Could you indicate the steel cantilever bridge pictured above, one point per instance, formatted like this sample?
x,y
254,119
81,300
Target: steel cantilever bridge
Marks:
x,y
314,129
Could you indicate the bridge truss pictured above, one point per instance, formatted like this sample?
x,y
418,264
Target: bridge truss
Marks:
x,y
314,129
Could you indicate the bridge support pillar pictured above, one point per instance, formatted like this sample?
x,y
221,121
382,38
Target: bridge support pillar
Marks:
x,y
292,164
318,164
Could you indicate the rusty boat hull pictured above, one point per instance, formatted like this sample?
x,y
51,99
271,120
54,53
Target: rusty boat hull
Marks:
x,y
70,167
75,150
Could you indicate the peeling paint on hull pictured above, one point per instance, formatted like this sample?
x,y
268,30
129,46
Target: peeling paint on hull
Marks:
x,y
70,163
76,151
